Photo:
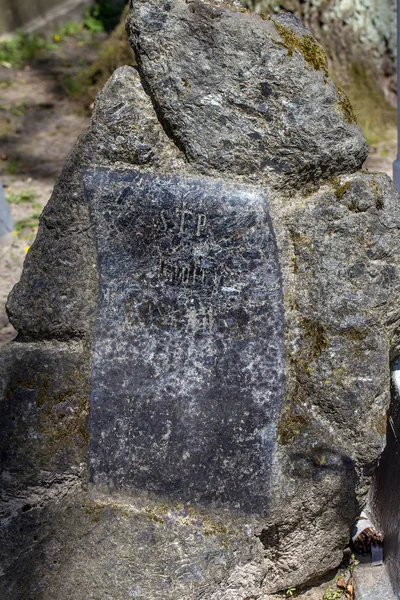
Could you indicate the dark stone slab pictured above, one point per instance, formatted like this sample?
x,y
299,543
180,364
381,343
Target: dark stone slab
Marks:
x,y
188,339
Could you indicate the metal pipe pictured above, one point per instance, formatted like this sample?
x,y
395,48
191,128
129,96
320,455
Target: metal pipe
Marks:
x,y
396,164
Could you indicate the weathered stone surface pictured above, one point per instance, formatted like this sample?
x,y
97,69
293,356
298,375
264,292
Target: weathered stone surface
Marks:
x,y
355,33
43,419
245,95
198,332
340,273
166,532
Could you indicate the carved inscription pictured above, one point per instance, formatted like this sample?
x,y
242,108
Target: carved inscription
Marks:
x,y
188,227
185,220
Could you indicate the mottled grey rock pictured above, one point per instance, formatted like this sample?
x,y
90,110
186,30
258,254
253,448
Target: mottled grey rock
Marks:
x,y
43,417
358,35
341,276
147,525
242,94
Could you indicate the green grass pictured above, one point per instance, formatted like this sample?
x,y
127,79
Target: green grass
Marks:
x,y
26,196
13,167
70,29
23,48
27,223
19,110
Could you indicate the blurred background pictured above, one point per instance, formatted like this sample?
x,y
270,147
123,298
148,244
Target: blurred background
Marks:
x,y
55,55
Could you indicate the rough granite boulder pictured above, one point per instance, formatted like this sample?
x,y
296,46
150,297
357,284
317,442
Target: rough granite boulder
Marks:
x,y
237,114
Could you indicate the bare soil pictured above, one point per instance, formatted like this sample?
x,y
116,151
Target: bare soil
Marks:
x,y
39,123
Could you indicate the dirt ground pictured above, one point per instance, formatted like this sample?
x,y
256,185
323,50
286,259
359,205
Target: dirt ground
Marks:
x,y
39,123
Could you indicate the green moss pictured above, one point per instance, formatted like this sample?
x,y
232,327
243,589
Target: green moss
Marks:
x,y
290,426
95,508
312,52
354,335
211,528
299,240
379,201
345,107
315,338
62,425
339,189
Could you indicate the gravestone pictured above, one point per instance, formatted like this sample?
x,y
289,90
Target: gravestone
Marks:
x,y
196,400
190,301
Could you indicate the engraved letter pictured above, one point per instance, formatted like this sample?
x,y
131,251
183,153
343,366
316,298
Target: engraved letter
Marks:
x,y
201,223
184,213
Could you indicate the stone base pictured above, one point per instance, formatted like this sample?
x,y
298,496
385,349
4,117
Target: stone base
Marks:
x,y
372,583
92,546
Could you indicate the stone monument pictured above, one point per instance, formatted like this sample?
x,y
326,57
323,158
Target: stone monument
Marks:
x,y
196,400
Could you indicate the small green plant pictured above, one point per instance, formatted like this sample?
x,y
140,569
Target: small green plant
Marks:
x,y
22,48
105,14
332,595
27,223
92,22
290,591
13,167
26,196
70,29
71,84
353,563
19,110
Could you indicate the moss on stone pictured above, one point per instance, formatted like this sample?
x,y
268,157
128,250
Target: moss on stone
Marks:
x,y
354,335
290,426
312,52
339,189
62,413
315,337
300,240
154,516
211,528
379,202
295,266
345,107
